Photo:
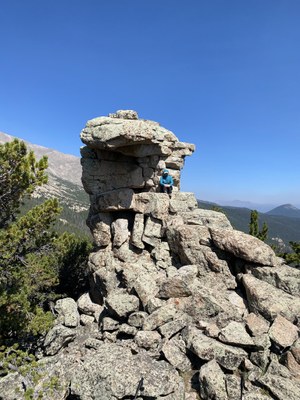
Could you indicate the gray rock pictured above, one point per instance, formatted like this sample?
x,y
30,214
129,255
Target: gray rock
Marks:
x,y
269,301
137,319
244,246
99,225
212,382
86,306
109,324
174,287
159,317
121,304
137,231
67,308
282,332
183,202
86,319
151,204
120,231
175,352
58,337
209,349
153,231
282,277
172,327
236,334
257,325
114,373
148,339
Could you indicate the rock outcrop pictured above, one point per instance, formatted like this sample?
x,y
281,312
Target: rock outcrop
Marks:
x,y
181,305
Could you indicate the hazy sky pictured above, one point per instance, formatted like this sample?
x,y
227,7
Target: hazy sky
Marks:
x,y
223,74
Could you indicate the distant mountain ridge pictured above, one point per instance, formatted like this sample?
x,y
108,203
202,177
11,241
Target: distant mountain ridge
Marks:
x,y
64,182
280,227
286,210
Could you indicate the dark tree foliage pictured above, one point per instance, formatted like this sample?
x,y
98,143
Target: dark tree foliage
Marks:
x,y
36,264
254,227
293,258
20,174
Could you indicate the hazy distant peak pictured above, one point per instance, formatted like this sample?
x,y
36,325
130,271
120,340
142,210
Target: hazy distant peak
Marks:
x,y
64,166
287,210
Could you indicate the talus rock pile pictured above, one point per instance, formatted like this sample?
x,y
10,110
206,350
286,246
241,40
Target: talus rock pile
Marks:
x,y
181,306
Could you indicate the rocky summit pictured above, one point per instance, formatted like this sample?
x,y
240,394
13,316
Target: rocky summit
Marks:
x,y
181,306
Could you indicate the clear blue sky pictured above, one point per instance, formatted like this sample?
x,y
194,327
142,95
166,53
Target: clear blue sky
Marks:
x,y
223,74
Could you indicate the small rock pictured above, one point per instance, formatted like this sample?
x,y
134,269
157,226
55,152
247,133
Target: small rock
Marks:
x,y
212,381
283,332
68,309
148,339
86,319
257,325
137,319
59,336
122,304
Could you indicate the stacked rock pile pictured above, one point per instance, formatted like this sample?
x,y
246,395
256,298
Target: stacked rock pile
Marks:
x,y
181,306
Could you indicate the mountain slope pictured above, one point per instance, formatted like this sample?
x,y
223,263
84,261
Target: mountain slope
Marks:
x,y
285,228
286,210
64,183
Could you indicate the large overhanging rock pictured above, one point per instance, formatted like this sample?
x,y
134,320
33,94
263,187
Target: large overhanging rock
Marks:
x,y
244,246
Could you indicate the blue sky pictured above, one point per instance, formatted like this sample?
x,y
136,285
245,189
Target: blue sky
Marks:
x,y
223,74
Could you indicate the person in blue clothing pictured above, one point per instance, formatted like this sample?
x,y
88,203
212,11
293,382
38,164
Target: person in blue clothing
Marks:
x,y
166,182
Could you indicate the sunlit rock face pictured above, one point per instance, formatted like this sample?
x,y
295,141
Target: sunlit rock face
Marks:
x,y
181,306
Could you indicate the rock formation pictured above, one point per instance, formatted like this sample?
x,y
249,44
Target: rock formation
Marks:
x,y
181,306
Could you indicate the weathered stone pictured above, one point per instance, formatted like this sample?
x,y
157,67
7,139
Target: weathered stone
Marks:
x,y
106,367
296,350
122,304
283,277
153,231
120,231
159,317
282,332
269,301
257,325
86,306
146,287
244,246
148,339
175,352
183,202
172,327
86,319
119,199
127,330
137,231
152,204
233,387
67,308
109,324
99,225
206,218
174,287
137,319
236,334
291,364
281,387
212,382
59,336
209,349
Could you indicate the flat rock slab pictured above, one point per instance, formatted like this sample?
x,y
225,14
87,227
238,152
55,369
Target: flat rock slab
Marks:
x,y
244,246
208,349
283,332
114,373
269,301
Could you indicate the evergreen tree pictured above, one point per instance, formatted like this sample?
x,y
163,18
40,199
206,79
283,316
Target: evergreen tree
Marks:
x,y
293,258
20,174
35,262
254,227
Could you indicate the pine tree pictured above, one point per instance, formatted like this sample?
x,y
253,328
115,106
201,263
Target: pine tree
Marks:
x,y
20,174
35,262
254,227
